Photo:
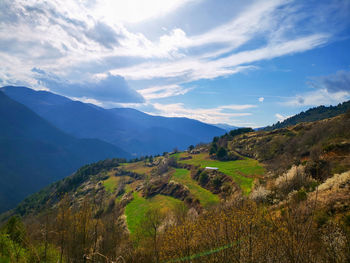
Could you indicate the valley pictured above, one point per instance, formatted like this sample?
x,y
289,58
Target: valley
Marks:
x,y
178,205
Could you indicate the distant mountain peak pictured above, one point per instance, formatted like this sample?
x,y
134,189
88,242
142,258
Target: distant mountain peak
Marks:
x,y
129,129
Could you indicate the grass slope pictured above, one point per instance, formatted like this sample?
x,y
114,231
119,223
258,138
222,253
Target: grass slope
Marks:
x,y
205,197
242,171
111,183
138,167
137,208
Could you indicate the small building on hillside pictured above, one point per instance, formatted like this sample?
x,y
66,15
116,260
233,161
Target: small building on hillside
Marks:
x,y
211,168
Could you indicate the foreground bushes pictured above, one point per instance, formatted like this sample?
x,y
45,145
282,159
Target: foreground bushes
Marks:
x,y
240,231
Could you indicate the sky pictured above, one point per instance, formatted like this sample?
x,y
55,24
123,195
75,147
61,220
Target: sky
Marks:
x,y
243,63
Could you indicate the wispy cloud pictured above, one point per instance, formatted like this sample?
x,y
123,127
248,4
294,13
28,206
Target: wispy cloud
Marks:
x,y
194,68
208,115
330,89
340,81
281,117
61,37
93,50
318,97
238,107
158,92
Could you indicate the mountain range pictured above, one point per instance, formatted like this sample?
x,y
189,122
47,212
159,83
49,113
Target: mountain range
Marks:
x,y
45,137
292,182
34,153
136,132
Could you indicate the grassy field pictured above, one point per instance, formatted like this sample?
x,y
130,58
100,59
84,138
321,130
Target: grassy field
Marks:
x,y
138,207
138,167
111,183
205,197
242,171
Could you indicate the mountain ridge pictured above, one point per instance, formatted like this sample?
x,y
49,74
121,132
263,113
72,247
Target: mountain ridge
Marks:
x,y
128,129
313,114
34,153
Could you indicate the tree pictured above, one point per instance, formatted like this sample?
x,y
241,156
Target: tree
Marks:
x,y
203,178
190,148
12,241
151,224
240,131
213,148
221,153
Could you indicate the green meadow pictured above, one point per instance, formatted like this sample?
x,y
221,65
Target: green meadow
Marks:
x,y
242,171
205,197
137,208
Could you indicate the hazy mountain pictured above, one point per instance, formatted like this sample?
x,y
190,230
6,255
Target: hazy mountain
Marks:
x,y
34,153
226,127
132,130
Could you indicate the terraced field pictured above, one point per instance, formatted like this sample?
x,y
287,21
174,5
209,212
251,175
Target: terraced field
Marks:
x,y
111,183
138,207
205,197
243,172
138,167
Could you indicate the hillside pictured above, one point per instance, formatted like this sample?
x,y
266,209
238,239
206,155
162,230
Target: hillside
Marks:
x,y
324,145
33,153
173,208
313,114
129,129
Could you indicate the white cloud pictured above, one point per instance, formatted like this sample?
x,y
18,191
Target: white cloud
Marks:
x,y
65,37
158,92
134,11
208,115
280,117
318,97
194,68
238,107
261,99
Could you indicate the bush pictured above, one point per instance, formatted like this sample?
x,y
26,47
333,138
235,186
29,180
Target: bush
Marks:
x,y
260,194
293,179
300,195
221,154
318,169
240,131
335,182
217,182
203,178
213,149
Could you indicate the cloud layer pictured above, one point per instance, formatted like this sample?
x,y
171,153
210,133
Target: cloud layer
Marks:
x,y
97,50
109,89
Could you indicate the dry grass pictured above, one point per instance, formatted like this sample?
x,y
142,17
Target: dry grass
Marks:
x,y
335,182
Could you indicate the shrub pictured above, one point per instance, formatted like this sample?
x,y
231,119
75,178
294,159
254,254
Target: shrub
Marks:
x,y
203,178
217,182
293,179
260,194
321,218
213,148
300,195
240,131
334,241
335,182
221,153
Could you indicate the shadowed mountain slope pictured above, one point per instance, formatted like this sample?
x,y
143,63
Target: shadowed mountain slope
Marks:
x,y
132,130
34,153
